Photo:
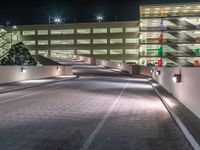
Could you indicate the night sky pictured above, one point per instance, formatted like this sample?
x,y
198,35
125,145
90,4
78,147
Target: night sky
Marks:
x,y
21,12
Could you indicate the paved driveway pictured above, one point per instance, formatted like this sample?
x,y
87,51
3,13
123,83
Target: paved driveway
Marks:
x,y
102,110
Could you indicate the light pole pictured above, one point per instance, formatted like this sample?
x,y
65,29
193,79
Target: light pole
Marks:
x,y
12,28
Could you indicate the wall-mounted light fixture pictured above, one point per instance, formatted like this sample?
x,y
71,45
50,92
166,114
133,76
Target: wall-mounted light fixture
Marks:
x,y
158,72
176,78
152,71
23,70
58,69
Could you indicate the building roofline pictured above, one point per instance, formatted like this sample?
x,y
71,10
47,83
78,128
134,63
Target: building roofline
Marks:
x,y
77,24
157,4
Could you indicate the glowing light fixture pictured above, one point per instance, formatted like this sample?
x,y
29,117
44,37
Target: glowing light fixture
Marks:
x,y
58,68
158,72
57,20
23,70
176,78
14,27
152,71
99,18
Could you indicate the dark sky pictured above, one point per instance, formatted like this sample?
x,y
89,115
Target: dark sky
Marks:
x,y
19,12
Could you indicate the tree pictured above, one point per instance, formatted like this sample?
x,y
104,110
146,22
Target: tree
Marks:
x,y
18,55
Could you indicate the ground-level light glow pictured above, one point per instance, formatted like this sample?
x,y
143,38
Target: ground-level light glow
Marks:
x,y
23,70
35,81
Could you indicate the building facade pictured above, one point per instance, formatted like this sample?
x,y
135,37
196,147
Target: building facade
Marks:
x,y
117,41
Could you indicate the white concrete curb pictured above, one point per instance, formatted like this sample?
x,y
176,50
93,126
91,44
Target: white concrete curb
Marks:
x,y
181,125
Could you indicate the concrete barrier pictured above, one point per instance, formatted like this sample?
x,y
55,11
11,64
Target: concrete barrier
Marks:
x,y
145,70
18,73
187,91
85,59
131,69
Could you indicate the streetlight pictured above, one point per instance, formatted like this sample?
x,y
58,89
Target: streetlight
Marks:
x,y
14,27
99,18
56,20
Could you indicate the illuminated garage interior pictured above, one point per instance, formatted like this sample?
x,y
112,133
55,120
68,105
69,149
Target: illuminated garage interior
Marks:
x,y
170,33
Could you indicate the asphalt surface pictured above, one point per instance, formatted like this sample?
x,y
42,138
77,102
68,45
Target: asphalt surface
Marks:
x,y
101,110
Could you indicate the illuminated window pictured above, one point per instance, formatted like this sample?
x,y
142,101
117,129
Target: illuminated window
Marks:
x,y
42,42
61,53
62,31
132,51
119,61
28,32
132,40
43,52
42,32
100,30
83,31
116,51
83,52
116,41
62,42
132,29
29,42
83,41
116,30
100,41
100,52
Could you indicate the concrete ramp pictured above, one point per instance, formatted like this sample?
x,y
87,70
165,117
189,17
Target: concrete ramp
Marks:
x,y
45,61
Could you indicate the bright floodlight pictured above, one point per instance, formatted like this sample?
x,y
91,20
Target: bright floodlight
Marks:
x,y
14,27
99,18
57,20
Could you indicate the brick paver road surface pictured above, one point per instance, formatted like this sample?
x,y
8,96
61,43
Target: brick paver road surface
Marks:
x,y
102,110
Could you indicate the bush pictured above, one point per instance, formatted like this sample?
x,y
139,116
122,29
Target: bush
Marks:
x,y
18,55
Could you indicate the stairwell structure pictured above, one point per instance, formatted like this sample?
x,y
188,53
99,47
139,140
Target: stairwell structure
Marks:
x,y
7,38
170,33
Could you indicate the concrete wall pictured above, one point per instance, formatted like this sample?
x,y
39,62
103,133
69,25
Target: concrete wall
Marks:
x,y
84,59
144,70
188,91
111,64
13,73
115,65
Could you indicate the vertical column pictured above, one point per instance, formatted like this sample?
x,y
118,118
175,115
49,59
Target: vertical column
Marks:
x,y
36,42
108,44
91,42
124,46
75,42
49,43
